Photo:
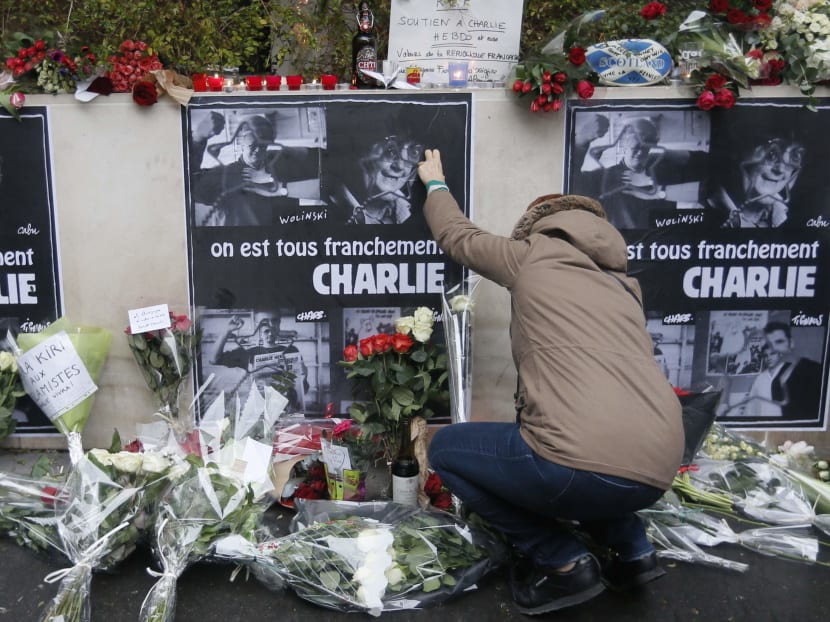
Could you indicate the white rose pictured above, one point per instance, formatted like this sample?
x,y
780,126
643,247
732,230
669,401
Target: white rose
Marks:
x,y
154,463
404,324
394,575
102,456
423,315
421,334
127,461
179,470
8,362
461,303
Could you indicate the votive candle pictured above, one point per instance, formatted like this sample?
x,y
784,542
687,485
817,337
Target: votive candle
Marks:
x,y
253,83
215,83
272,83
329,81
294,82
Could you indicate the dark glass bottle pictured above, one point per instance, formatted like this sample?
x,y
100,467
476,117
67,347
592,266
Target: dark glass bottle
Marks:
x,y
364,49
405,469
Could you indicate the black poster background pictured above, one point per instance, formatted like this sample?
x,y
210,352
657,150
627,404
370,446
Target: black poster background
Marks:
x,y
710,289
323,163
28,241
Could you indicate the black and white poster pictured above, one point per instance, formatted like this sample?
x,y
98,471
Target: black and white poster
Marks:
x,y
306,231
727,219
30,287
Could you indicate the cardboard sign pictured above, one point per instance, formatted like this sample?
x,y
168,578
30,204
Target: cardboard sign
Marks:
x,y
54,375
149,318
429,35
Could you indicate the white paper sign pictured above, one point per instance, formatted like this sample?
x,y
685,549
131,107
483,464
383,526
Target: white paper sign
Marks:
x,y
431,34
149,318
54,375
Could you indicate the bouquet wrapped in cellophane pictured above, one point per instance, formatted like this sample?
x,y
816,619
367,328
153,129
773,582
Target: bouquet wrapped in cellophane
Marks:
x,y
457,308
223,492
96,516
165,357
27,511
10,389
372,557
62,382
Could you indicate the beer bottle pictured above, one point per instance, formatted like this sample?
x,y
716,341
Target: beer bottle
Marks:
x,y
364,49
405,469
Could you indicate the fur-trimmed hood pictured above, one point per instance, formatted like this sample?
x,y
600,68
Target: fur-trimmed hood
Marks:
x,y
547,206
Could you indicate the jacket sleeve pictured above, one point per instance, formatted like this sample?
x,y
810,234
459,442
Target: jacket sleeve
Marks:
x,y
492,256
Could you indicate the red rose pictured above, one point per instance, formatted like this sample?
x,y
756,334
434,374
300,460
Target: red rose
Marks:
x,y
576,56
546,76
719,6
48,496
762,5
433,485
350,353
736,16
558,89
706,101
725,98
546,88
534,106
304,491
560,77
585,89
366,347
714,82
557,104
17,99
341,428
653,10
541,100
442,501
145,93
317,471
401,343
101,85
319,486
517,86
134,447
761,21
382,343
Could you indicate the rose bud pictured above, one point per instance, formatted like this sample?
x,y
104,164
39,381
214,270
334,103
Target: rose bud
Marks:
x,y
17,99
517,85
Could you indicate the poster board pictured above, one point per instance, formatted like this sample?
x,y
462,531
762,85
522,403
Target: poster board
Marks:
x,y
287,268
30,280
727,220
431,34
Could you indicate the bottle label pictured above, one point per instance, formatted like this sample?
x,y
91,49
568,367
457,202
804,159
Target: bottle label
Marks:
x,y
405,490
367,59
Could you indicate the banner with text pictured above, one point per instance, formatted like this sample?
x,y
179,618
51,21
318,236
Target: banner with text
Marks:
x,y
306,231
727,219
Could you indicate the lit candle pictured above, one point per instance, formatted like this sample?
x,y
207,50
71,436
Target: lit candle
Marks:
x,y
458,73
253,83
200,83
272,83
215,82
329,81
294,82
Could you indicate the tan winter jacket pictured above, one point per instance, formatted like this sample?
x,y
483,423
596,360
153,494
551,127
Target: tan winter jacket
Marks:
x,y
592,396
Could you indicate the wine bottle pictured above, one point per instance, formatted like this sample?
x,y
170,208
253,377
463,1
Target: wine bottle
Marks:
x,y
364,49
405,469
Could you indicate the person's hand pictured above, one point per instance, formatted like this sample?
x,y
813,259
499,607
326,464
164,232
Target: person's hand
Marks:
x,y
592,127
209,126
430,169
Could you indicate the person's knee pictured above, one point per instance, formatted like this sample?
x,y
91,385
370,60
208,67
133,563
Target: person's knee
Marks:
x,y
437,445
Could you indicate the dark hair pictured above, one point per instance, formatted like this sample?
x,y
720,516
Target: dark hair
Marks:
x,y
771,327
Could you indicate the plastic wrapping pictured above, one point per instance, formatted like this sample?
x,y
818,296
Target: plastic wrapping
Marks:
x,y
457,303
27,511
10,389
793,542
376,556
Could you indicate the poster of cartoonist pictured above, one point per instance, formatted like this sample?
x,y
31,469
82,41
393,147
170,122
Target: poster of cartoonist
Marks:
x,y
727,220
30,285
305,231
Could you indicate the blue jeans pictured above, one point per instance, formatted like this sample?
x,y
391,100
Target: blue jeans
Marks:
x,y
499,477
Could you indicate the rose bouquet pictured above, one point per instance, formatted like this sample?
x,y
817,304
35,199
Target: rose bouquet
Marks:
x,y
64,392
27,511
375,556
165,357
10,389
130,66
96,522
396,377
348,453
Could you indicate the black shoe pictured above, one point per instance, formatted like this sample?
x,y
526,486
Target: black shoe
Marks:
x,y
622,576
544,590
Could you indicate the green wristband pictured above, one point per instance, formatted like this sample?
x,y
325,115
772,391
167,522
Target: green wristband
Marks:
x,y
435,182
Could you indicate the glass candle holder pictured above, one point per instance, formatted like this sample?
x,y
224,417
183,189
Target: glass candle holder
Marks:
x,y
200,83
294,82
458,73
215,83
253,83
329,81
272,83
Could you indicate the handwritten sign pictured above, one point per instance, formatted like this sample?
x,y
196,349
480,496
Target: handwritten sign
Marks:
x,y
149,318
431,34
54,375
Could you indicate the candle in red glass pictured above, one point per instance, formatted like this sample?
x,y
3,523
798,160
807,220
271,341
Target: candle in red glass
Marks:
x,y
200,82
329,81
253,83
272,83
215,83
294,82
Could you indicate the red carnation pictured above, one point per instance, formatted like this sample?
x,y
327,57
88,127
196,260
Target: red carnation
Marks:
x,y
576,56
145,93
653,10
350,353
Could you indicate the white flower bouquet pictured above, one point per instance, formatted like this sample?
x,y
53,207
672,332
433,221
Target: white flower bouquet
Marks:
x,y
375,556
